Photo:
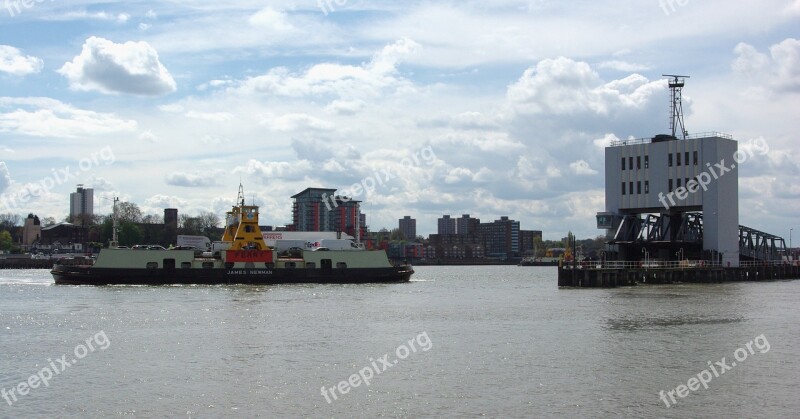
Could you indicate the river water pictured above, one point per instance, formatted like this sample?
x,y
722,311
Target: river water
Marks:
x,y
455,342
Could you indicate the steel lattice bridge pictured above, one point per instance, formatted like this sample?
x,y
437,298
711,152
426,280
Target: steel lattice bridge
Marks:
x,y
685,231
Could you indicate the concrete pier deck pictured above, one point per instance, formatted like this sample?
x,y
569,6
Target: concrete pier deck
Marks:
x,y
615,274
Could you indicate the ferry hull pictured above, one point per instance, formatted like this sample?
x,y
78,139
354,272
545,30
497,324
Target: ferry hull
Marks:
x,y
87,275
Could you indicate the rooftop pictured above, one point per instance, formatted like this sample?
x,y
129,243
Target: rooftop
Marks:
x,y
712,134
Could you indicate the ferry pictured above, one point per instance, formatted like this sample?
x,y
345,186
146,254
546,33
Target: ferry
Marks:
x,y
241,257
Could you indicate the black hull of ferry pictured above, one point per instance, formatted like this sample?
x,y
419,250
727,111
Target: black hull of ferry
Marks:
x,y
84,275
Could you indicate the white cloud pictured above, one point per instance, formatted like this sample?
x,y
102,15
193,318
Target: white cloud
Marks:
x,y
749,62
345,107
465,121
780,70
553,172
108,67
45,117
793,9
786,59
296,121
148,136
271,171
214,83
211,140
312,149
269,18
159,202
623,66
210,116
491,142
582,168
100,183
458,175
565,87
85,15
191,180
347,81
172,108
5,177
12,61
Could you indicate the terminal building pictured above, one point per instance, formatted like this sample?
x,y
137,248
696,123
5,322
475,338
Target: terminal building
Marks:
x,y
687,183
676,197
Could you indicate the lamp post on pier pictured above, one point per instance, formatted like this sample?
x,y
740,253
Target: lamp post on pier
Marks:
x,y
603,258
114,226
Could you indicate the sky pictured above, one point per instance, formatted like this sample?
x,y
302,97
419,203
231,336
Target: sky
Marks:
x,y
492,109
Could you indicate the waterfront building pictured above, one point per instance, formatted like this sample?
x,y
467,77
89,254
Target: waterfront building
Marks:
x,y
408,226
446,225
467,225
527,238
673,196
501,237
456,246
81,205
31,230
320,209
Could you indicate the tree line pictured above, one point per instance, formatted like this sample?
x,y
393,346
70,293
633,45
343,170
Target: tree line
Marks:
x,y
132,227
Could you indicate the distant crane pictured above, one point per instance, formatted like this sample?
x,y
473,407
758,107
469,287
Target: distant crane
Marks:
x,y
676,104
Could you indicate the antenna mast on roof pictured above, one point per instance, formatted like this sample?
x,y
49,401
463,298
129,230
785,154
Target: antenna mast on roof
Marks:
x,y
676,105
240,197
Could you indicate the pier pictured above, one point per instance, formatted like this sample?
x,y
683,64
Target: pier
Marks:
x,y
25,263
612,274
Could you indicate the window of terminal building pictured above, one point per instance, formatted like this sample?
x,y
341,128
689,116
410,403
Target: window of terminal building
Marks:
x,y
646,162
623,163
686,158
695,158
638,187
679,183
630,162
647,187
669,158
623,184
638,162
630,188
670,185
678,158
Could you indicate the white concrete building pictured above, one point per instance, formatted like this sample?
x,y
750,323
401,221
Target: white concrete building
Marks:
x,y
672,177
